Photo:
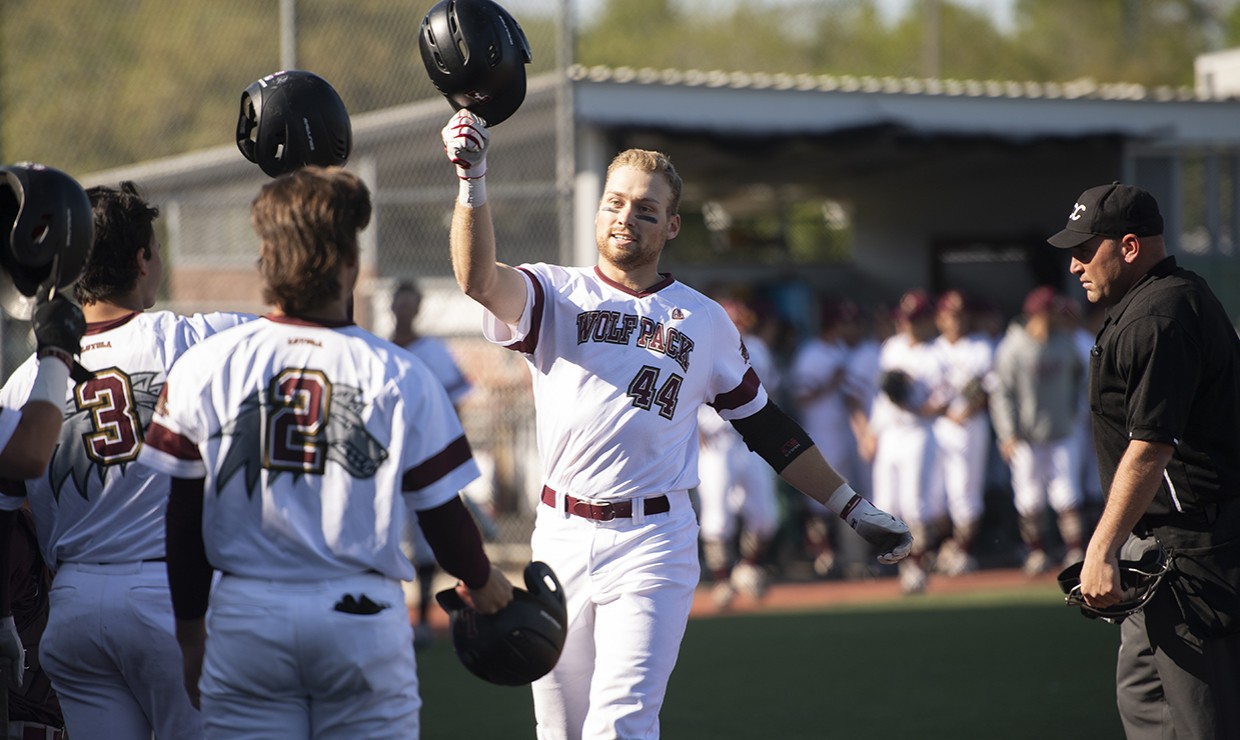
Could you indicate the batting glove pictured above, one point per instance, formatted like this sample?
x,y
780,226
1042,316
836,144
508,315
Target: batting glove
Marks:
x,y
890,535
465,142
58,327
12,653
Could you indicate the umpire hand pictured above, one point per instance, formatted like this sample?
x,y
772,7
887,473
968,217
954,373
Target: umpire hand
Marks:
x,y
58,327
12,654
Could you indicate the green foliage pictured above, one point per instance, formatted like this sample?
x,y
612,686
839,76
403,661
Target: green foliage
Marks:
x,y
86,86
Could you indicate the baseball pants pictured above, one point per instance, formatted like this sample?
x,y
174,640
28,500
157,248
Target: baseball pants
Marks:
x,y
282,662
629,585
111,653
963,449
908,481
1045,472
736,483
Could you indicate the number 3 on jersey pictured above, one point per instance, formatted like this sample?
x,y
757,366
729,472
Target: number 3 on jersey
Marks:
x,y
116,434
645,391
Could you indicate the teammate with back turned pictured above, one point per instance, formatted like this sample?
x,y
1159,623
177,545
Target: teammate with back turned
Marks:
x,y
622,357
109,646
292,441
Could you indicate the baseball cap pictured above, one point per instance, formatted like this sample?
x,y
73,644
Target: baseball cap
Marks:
x,y
1112,211
915,304
1039,300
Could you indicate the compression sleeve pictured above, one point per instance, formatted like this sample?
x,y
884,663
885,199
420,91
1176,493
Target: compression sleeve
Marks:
x,y
774,435
189,571
454,538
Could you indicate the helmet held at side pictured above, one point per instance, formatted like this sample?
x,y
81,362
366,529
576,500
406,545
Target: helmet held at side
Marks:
x,y
291,119
475,54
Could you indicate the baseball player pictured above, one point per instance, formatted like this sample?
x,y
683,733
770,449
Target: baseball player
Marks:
x,y
622,356
109,645
907,475
736,484
1035,406
962,433
819,379
406,303
294,442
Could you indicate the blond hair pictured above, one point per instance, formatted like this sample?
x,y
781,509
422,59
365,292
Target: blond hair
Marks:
x,y
646,160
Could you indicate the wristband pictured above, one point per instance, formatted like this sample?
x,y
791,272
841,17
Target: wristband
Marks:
x,y
51,382
472,192
844,501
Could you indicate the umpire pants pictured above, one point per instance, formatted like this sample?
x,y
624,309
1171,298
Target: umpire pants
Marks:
x,y
1170,683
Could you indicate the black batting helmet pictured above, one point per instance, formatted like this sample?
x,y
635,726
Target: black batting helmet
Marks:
x,y
521,642
475,54
1138,578
47,227
291,119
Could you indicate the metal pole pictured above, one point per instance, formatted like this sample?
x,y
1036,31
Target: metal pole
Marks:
x,y
930,41
566,139
288,34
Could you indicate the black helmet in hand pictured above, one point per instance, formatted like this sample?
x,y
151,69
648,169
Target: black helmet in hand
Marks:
x,y
475,54
291,119
46,227
521,642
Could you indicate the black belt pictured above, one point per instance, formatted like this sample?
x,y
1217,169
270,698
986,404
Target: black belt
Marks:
x,y
605,511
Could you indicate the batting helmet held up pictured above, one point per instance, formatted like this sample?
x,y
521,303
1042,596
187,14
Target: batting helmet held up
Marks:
x,y
521,642
47,227
291,119
475,54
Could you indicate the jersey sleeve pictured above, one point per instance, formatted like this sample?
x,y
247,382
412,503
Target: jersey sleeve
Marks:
x,y
171,442
736,391
523,337
190,330
437,462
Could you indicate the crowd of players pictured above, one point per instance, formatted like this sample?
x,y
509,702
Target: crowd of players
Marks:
x,y
989,426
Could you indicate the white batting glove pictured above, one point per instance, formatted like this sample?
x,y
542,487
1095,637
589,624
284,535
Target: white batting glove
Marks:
x,y
12,654
465,142
888,534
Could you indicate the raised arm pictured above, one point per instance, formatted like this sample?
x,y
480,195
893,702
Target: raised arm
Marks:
x,y
498,287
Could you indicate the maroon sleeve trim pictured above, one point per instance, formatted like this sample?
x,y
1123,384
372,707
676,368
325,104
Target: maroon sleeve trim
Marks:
x,y
168,441
740,395
437,466
454,538
530,342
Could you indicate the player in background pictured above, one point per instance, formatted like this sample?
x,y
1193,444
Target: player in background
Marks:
x,y
289,440
962,433
1084,329
819,377
907,476
622,357
736,486
406,305
1035,406
109,645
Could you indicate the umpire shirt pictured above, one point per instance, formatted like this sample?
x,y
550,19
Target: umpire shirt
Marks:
x,y
1165,367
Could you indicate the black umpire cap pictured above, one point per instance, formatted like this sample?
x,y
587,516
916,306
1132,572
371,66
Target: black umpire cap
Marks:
x,y
1111,211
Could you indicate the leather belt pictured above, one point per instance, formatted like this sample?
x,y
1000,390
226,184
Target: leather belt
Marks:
x,y
605,511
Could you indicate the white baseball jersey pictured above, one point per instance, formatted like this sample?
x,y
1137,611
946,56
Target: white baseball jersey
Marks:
x,y
967,358
306,434
94,505
824,365
924,366
719,435
435,355
637,366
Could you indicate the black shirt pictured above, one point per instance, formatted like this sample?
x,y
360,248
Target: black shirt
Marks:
x,y
1166,368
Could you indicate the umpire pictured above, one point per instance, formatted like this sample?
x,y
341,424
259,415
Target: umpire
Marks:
x,y
1164,392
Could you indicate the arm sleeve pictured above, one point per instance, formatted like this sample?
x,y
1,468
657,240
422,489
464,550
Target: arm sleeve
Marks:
x,y
454,538
189,571
774,435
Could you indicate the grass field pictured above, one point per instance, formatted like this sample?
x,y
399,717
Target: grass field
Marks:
x,y
1015,665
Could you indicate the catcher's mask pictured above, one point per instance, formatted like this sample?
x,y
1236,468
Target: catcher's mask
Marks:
x,y
291,119
475,54
521,642
1139,579
46,226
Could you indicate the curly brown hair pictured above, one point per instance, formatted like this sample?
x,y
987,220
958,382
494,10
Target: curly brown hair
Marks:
x,y
307,223
124,223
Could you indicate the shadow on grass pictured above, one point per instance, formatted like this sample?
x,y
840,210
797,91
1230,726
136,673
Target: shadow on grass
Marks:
x,y
988,667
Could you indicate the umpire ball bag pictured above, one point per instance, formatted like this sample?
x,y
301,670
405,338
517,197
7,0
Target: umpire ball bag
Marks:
x,y
521,642
475,54
46,226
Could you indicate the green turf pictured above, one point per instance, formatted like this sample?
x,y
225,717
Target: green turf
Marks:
x,y
992,666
